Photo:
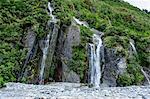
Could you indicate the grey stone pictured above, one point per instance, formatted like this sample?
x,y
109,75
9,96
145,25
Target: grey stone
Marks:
x,y
110,72
66,40
114,66
146,96
122,66
52,46
72,39
30,39
71,77
72,91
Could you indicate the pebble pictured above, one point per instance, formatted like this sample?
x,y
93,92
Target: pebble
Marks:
x,y
72,91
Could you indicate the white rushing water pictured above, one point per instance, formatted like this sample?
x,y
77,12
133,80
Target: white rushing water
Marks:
x,y
45,51
50,11
80,22
133,47
94,62
94,55
144,73
91,62
46,46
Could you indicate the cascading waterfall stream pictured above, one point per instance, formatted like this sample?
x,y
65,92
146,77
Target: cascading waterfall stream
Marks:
x,y
144,73
91,62
45,51
94,62
94,55
133,47
80,22
53,17
50,11
46,44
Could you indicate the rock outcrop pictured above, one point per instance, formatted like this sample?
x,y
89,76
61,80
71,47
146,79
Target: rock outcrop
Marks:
x,y
114,66
63,40
64,54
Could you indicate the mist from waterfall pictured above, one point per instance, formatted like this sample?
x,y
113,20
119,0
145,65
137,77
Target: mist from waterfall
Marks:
x,y
94,55
45,47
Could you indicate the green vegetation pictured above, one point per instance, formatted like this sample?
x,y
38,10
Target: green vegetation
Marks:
x,y
135,69
125,80
120,22
15,17
79,62
133,76
117,19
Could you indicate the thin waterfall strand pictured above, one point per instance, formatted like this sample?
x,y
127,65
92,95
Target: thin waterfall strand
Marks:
x,y
144,73
133,47
45,51
46,46
50,11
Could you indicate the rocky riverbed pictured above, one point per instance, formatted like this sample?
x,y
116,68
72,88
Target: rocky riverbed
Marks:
x,y
72,91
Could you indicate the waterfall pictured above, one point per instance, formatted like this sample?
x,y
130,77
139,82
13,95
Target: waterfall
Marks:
x,y
94,55
133,47
45,51
146,76
80,22
46,44
53,17
91,62
50,11
94,60
144,73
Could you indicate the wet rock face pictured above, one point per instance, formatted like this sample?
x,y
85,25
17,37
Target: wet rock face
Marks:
x,y
51,50
35,53
30,43
122,66
66,40
114,66
30,39
62,39
72,39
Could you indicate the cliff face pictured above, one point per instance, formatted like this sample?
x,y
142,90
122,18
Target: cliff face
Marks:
x,y
25,26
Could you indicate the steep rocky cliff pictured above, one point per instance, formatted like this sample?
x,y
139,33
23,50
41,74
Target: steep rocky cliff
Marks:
x,y
25,26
